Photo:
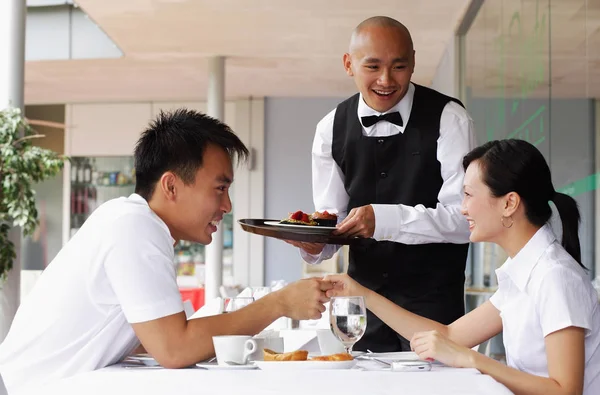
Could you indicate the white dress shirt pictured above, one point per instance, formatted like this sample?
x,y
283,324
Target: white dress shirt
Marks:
x,y
117,270
398,222
540,291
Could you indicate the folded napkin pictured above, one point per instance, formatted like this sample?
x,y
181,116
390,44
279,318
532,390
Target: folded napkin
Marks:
x,y
300,339
188,308
211,307
246,293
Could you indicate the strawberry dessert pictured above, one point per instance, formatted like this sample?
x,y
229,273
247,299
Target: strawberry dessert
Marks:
x,y
299,218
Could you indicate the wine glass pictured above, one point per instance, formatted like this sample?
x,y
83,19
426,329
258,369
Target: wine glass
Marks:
x,y
348,319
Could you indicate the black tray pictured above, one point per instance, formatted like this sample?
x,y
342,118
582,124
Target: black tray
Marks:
x,y
309,234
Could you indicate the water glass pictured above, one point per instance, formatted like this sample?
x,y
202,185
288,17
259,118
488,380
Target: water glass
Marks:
x,y
348,319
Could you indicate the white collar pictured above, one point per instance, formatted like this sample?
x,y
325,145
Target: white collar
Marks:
x,y
520,267
404,107
138,198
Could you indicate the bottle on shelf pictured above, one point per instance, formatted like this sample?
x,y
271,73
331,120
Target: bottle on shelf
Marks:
x,y
87,171
95,176
73,171
80,172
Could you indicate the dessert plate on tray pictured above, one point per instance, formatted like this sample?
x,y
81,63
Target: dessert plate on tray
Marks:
x,y
306,233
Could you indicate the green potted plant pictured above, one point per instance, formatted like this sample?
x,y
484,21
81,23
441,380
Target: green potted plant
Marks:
x,y
22,164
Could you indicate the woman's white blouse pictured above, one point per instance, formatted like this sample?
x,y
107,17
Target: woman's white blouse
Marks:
x,y
540,291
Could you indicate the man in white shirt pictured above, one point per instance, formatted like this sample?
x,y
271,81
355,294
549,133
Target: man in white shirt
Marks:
x,y
113,285
390,158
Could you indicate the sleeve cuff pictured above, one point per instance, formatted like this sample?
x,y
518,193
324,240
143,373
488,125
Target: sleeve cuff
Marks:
x,y
310,258
327,253
388,221
154,311
555,327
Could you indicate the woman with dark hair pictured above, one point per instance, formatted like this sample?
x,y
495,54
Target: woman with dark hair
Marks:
x,y
545,304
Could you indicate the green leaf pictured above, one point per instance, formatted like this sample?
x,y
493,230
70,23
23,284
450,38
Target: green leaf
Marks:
x,y
21,166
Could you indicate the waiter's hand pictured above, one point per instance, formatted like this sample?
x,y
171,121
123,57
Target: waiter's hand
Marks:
x,y
359,222
311,248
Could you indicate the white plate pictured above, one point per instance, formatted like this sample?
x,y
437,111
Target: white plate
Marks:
x,y
215,366
304,365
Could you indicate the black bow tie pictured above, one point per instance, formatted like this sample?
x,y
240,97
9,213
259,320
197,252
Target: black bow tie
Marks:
x,y
393,117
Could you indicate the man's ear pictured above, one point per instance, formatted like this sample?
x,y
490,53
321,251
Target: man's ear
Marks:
x,y
512,202
167,185
347,60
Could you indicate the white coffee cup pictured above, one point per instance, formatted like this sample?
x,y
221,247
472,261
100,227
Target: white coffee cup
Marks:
x,y
235,348
328,343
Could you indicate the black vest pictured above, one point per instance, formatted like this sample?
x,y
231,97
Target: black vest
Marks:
x,y
401,169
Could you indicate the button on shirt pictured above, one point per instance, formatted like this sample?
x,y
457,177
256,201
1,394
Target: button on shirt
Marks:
x,y
540,291
396,222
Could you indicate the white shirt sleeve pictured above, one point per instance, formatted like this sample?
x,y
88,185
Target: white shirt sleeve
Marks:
x,y
444,223
139,267
497,299
562,301
328,188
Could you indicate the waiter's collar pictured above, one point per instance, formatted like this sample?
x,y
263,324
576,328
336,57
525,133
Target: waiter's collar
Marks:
x,y
404,107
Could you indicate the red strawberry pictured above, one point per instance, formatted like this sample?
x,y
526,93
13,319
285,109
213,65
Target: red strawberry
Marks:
x,y
305,218
297,216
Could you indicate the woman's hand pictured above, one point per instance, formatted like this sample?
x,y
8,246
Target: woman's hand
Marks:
x,y
343,285
432,345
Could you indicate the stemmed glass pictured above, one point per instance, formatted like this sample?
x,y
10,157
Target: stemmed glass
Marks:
x,y
348,319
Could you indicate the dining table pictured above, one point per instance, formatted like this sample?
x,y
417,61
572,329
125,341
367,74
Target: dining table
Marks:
x,y
365,378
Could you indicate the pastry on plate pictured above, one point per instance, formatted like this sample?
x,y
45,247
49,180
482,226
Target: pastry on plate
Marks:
x,y
299,218
299,355
333,357
325,218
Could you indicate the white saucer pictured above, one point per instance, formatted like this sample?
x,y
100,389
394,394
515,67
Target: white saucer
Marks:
x,y
215,366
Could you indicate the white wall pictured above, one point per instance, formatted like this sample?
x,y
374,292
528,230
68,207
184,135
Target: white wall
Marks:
x,y
446,76
289,131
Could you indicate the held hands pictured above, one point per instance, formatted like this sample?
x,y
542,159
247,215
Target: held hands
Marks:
x,y
303,300
432,345
344,285
359,222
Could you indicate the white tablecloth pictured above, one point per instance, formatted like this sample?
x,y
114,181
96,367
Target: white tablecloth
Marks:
x,y
116,380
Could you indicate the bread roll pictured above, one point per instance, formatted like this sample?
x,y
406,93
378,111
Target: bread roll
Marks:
x,y
334,357
270,355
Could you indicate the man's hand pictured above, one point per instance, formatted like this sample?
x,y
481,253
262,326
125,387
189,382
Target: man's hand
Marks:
x,y
359,222
311,248
303,300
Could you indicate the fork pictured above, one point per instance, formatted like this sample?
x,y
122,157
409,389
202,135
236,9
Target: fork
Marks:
x,y
375,359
